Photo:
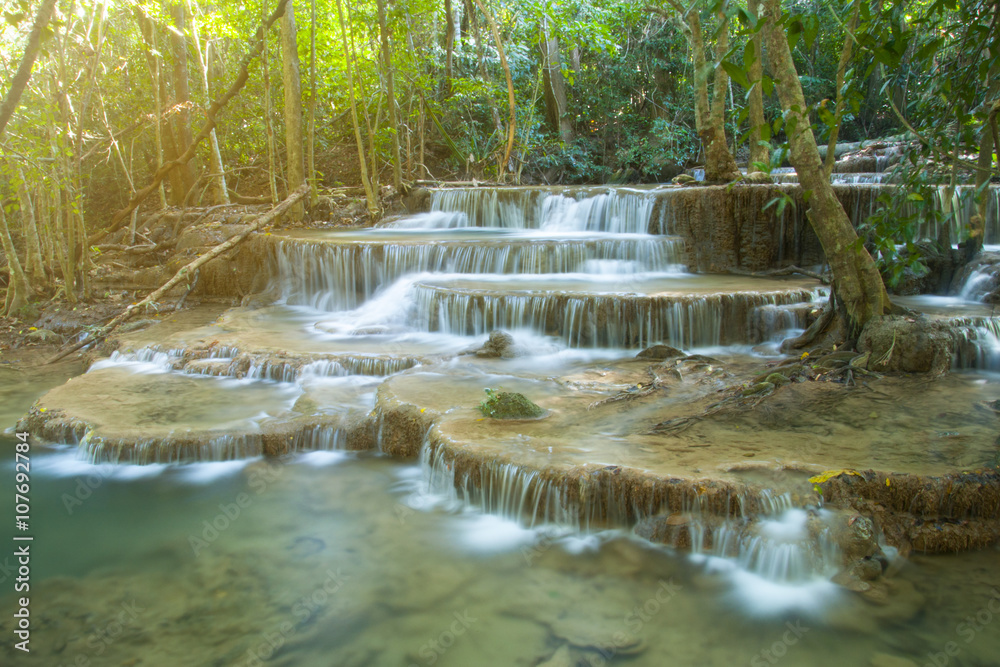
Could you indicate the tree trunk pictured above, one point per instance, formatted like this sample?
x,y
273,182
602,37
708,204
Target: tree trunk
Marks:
x,y
709,119
556,103
219,186
856,279
369,193
494,112
166,147
720,165
268,123
311,130
449,43
292,85
182,94
511,102
397,170
23,74
18,289
987,145
759,152
34,266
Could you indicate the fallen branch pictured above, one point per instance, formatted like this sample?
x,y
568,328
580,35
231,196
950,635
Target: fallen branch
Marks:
x,y
786,271
184,272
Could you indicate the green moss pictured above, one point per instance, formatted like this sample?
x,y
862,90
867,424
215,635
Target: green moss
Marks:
x,y
508,405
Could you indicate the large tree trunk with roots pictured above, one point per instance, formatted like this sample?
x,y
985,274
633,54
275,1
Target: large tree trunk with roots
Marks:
x,y
856,279
709,118
720,165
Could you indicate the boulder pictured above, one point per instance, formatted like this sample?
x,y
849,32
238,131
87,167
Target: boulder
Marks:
x,y
509,405
906,344
500,345
659,352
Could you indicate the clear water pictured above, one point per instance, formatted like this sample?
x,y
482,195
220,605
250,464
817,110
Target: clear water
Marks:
x,y
341,559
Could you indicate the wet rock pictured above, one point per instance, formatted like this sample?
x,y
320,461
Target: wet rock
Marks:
x,y
418,200
758,389
44,336
260,299
659,352
684,179
856,537
906,344
758,177
509,405
501,345
777,379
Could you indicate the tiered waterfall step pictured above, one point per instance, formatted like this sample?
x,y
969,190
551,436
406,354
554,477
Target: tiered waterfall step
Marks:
x,y
341,269
623,311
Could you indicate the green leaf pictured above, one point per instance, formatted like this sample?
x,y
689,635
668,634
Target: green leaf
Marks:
x,y
736,73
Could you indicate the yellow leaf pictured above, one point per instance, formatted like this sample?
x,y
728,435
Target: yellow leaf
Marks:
x,y
422,410
887,481
32,328
804,355
830,474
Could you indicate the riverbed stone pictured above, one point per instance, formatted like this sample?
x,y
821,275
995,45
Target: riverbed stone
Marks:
x,y
906,344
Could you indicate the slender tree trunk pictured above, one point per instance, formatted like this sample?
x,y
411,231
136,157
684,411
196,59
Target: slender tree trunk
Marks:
x,y
856,279
477,36
269,125
369,193
449,44
759,153
18,289
987,145
511,102
219,180
292,85
34,266
720,165
838,114
311,131
182,94
397,172
23,74
556,104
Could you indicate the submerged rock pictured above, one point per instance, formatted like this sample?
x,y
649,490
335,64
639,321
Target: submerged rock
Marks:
x,y
509,405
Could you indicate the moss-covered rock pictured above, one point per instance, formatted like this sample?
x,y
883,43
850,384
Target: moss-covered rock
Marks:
x,y
509,405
